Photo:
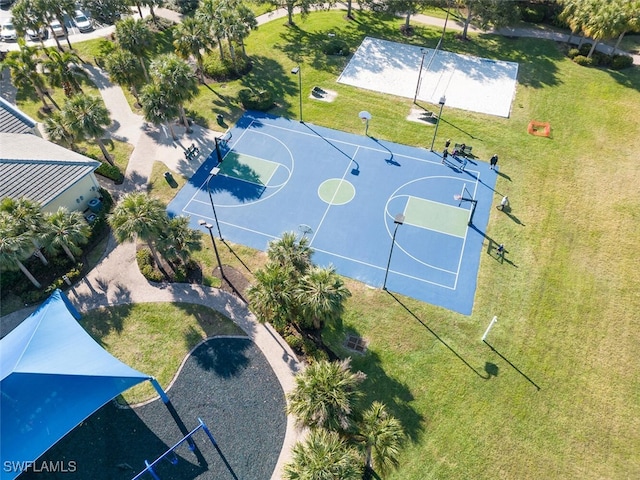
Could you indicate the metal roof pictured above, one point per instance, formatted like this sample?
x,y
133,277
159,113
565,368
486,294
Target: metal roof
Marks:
x,y
13,120
34,168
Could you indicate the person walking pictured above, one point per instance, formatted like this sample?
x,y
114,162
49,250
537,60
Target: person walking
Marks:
x,y
464,163
493,161
445,154
503,203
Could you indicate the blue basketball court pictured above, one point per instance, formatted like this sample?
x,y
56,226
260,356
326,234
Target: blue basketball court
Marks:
x,y
343,191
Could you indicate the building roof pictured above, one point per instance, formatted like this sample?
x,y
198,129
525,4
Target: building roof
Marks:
x,y
13,120
39,170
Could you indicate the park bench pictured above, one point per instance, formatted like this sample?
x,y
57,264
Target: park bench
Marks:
x,y
192,152
465,152
318,92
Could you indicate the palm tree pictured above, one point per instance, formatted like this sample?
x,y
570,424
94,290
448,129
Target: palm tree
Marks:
x,y
325,395
192,40
272,297
57,131
24,66
381,436
177,240
631,12
134,35
138,215
321,294
125,70
573,15
14,249
606,21
209,12
67,231
158,107
245,21
26,218
58,9
64,70
176,77
291,251
87,118
30,15
323,456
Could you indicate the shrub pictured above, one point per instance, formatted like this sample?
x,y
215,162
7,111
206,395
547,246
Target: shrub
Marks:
x,y
585,48
294,342
33,296
336,47
151,274
181,274
110,171
621,61
223,69
144,258
533,13
601,59
260,100
582,60
573,53
183,6
158,24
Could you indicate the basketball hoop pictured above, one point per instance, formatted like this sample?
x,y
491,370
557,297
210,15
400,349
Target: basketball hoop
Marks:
x,y
305,229
457,197
365,117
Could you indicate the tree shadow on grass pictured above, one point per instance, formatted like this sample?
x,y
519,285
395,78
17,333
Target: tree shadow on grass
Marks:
x,y
101,322
379,386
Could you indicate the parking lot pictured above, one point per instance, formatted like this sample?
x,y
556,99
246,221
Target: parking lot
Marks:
x,y
98,30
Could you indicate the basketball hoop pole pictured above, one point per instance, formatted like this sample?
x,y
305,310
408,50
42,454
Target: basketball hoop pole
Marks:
x,y
398,220
441,102
424,52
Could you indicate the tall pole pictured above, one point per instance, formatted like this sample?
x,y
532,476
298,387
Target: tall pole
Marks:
x,y
415,97
213,173
493,321
398,220
441,102
297,71
209,227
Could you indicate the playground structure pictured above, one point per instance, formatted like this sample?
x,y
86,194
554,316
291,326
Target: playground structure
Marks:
x,y
170,454
540,129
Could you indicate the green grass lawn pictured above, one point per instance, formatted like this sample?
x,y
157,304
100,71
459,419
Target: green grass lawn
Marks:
x,y
566,295
154,338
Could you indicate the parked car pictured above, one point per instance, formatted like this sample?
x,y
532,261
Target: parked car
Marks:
x,y
57,29
8,31
37,35
82,22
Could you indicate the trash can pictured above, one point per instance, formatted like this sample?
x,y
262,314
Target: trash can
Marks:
x,y
95,205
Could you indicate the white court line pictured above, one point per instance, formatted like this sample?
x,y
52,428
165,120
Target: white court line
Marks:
x,y
331,204
384,269
358,145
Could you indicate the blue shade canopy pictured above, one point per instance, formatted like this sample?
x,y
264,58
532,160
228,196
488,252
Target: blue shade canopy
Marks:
x,y
54,375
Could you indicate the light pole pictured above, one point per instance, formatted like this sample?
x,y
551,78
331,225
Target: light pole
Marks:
x,y
209,227
441,102
298,72
214,171
424,52
398,220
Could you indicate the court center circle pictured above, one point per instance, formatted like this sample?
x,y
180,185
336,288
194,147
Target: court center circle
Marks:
x,y
336,191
